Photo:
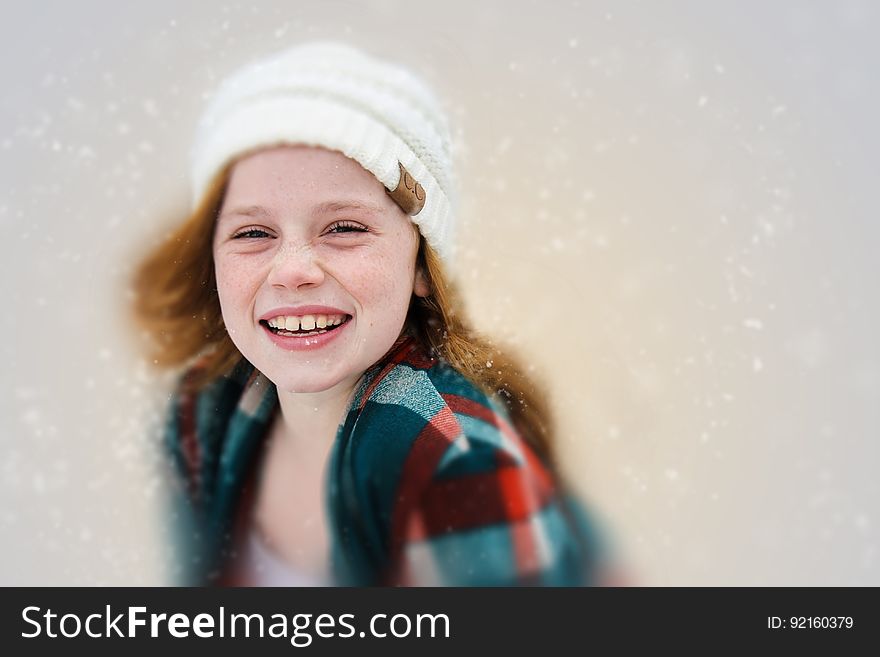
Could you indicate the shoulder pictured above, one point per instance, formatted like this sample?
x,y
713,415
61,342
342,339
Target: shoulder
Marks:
x,y
192,407
417,420
198,417
433,418
467,500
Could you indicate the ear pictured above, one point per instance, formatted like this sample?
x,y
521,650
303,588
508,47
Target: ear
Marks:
x,y
420,284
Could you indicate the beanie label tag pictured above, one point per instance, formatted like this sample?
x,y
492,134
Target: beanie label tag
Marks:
x,y
409,194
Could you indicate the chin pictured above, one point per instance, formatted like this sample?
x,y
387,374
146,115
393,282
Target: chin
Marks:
x,y
289,382
297,387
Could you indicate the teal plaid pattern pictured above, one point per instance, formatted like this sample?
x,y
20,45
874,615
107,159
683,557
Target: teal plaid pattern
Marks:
x,y
429,483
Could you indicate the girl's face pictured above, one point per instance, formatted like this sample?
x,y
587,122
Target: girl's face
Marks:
x,y
315,267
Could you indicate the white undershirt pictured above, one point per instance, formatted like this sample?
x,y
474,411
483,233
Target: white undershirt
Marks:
x,y
262,566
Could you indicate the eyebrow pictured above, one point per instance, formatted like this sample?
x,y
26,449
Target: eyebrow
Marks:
x,y
322,208
244,211
336,206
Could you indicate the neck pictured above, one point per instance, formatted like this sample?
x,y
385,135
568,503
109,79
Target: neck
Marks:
x,y
311,419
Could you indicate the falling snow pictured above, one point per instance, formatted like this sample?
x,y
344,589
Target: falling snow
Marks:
x,y
674,229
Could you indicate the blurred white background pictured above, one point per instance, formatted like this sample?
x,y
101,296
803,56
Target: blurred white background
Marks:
x,y
669,207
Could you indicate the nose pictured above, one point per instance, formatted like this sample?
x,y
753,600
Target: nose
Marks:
x,y
295,266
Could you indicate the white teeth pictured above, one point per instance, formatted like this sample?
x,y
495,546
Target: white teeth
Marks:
x,y
306,322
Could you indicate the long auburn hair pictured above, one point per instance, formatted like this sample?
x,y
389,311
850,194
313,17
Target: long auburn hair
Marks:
x,y
177,308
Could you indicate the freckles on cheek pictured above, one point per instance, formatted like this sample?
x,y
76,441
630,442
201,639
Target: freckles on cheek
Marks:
x,y
380,282
222,276
232,282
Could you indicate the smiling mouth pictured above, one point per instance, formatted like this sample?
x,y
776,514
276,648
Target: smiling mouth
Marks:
x,y
300,332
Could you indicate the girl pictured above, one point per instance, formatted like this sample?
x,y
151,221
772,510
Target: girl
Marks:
x,y
336,421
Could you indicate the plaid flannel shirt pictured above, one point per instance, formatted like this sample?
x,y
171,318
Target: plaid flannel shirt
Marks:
x,y
428,482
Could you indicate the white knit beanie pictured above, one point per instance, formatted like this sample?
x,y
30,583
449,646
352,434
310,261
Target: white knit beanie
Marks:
x,y
332,95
